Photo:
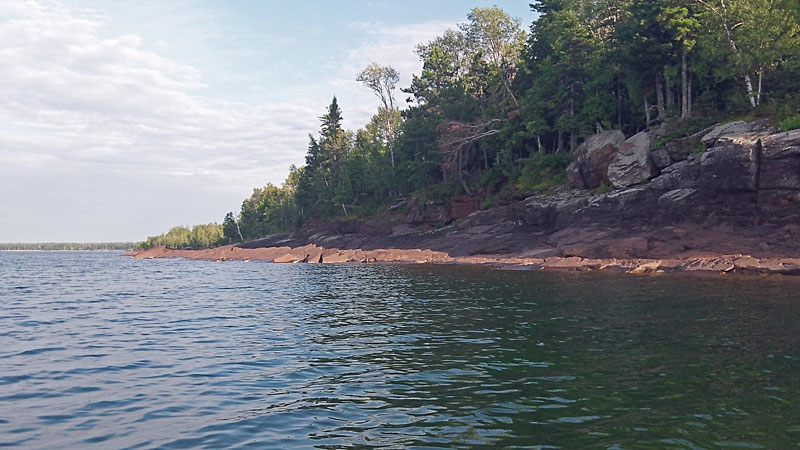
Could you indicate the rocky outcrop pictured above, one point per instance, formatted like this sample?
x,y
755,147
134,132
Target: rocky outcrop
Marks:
x,y
748,185
739,196
735,128
739,130
780,162
731,168
592,158
632,164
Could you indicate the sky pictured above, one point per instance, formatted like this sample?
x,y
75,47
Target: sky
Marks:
x,y
122,119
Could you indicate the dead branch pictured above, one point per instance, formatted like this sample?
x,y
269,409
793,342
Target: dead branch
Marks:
x,y
456,140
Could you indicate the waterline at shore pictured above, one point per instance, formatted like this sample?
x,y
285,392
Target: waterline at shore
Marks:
x,y
314,254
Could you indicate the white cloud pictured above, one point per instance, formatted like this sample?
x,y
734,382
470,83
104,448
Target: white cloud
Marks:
x,y
93,121
72,100
392,45
395,43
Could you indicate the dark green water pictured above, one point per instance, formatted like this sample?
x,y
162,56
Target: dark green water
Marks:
x,y
102,351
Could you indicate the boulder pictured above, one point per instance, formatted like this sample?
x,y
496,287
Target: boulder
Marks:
x,y
677,150
659,157
730,168
632,165
592,158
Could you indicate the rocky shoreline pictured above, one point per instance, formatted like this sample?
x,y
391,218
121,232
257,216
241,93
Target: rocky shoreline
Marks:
x,y
317,255
726,199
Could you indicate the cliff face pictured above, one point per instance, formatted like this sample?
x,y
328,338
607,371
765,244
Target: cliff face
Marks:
x,y
731,189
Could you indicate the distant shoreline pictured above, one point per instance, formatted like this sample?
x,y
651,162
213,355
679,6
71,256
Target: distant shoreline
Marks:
x,y
66,250
68,246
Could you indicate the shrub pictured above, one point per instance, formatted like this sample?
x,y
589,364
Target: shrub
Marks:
x,y
790,123
604,188
662,140
543,172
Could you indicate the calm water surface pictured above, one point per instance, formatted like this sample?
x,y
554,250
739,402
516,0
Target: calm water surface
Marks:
x,y
102,351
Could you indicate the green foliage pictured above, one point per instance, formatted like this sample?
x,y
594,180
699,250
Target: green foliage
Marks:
x,y
268,210
604,188
490,202
437,193
540,173
790,123
699,148
662,140
198,236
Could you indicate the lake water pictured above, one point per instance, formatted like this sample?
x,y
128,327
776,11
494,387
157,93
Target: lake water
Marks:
x,y
103,351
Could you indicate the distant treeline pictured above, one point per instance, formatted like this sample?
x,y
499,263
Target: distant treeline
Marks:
x,y
198,236
497,111
70,246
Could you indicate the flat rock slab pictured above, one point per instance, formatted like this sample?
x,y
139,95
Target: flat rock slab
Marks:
x,y
718,264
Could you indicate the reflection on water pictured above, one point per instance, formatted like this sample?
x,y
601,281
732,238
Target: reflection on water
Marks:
x,y
104,351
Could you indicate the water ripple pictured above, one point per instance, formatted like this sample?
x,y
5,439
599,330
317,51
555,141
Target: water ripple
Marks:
x,y
100,351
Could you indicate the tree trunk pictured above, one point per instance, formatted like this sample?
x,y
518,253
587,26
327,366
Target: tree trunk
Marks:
x,y
560,142
670,94
238,230
390,131
660,97
619,103
748,83
573,138
689,99
507,85
461,172
684,85
539,144
729,33
760,77
646,111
